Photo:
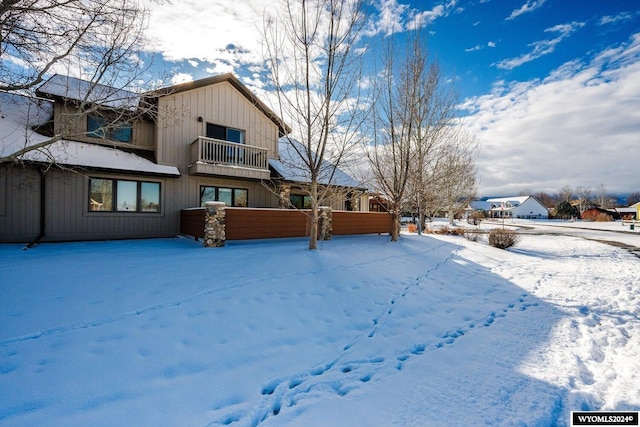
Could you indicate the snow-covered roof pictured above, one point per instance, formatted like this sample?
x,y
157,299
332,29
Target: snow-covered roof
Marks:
x,y
290,167
82,90
625,210
18,114
92,156
514,200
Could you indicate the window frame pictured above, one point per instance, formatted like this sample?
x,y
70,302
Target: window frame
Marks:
x,y
111,131
115,209
233,190
226,129
304,198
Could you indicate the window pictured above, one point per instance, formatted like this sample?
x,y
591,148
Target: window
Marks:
x,y
237,197
127,196
300,202
99,127
120,195
225,133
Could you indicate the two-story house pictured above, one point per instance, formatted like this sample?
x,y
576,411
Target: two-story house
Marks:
x,y
128,163
516,207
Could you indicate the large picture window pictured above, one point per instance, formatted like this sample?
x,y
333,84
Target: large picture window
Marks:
x,y
237,197
99,127
121,195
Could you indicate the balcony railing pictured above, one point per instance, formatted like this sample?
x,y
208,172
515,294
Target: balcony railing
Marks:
x,y
218,152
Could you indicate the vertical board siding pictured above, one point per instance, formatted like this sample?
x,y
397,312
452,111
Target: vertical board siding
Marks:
x,y
67,216
21,219
178,127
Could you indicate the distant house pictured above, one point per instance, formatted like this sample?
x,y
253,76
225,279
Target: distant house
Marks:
x,y
630,213
527,207
163,151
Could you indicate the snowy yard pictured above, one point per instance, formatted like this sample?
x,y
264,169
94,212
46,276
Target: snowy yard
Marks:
x,y
429,331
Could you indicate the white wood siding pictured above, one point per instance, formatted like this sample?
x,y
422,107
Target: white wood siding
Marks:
x,y
530,208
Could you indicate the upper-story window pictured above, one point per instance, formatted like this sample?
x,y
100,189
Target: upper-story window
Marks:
x,y
99,127
225,133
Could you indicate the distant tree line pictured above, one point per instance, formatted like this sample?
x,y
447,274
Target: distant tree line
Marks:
x,y
570,202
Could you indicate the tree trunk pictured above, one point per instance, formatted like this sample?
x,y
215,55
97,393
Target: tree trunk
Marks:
x,y
313,219
395,225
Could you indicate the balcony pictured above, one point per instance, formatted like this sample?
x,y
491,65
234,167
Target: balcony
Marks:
x,y
216,157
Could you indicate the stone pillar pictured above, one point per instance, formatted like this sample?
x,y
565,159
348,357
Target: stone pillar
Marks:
x,y
324,222
214,220
284,195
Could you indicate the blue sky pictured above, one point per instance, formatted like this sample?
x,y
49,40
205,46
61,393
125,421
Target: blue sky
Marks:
x,y
551,88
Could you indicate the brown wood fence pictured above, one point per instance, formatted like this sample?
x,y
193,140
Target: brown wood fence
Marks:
x,y
243,223
344,222
252,223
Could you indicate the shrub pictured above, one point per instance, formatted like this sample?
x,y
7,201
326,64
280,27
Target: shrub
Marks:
x,y
603,217
502,238
446,231
472,234
412,228
458,231
442,230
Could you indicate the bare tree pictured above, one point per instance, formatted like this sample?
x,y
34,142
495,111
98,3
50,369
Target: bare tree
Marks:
x,y
310,48
585,197
414,117
456,176
602,198
95,40
390,152
434,131
565,194
633,198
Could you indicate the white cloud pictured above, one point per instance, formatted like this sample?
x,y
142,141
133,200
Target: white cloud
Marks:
x,y
529,6
621,17
181,78
542,47
224,37
480,47
423,18
390,19
220,67
579,126
210,31
394,17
